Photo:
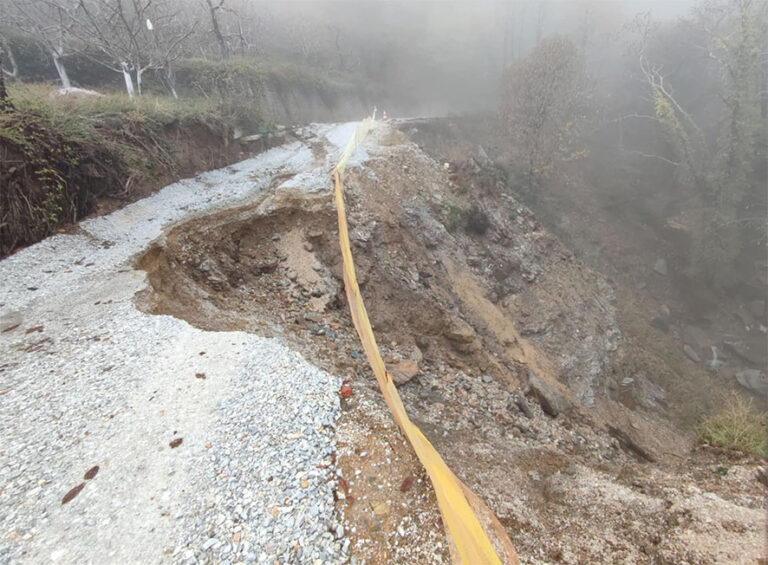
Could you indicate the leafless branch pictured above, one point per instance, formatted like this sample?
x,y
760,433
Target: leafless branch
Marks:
x,y
651,156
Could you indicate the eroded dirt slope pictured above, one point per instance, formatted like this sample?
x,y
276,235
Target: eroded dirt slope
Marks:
x,y
506,349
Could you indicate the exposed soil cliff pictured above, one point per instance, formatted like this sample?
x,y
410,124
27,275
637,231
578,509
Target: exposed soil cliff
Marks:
x,y
524,367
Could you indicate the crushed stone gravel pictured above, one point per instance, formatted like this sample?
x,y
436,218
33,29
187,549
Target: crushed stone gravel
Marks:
x,y
236,466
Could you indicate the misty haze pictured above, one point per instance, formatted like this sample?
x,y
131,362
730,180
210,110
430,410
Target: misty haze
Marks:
x,y
386,281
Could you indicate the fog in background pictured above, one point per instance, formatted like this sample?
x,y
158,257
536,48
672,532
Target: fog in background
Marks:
x,y
662,105
437,57
431,57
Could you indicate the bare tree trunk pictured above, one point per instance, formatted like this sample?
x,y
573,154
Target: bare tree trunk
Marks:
x,y
217,29
6,49
170,80
5,102
139,72
62,71
14,74
128,80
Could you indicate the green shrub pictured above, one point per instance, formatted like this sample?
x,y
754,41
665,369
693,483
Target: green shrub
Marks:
x,y
737,426
454,217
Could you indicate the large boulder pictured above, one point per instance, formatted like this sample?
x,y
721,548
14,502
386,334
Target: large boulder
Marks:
x,y
552,401
753,380
690,352
462,336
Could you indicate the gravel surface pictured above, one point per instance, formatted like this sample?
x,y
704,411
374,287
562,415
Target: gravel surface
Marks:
x,y
198,446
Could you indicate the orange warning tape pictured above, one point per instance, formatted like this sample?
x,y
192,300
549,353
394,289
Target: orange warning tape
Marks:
x,y
468,539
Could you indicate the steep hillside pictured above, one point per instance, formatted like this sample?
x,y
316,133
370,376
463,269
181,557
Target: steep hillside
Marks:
x,y
511,357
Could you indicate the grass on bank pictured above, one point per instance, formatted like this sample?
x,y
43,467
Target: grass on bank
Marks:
x,y
76,117
737,426
58,154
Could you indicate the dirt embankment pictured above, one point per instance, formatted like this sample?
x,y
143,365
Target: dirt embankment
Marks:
x,y
55,174
66,156
506,350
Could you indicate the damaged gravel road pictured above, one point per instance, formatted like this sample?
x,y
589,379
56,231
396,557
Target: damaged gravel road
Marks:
x,y
170,379
132,438
502,345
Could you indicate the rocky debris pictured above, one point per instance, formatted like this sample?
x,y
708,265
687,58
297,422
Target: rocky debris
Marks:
x,y
754,380
543,472
414,353
745,351
690,352
630,444
552,401
696,337
654,512
403,371
212,273
462,336
660,267
523,405
650,395
640,391
761,474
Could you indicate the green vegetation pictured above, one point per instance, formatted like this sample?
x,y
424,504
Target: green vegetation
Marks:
x,y
63,152
248,77
65,111
721,163
454,217
737,426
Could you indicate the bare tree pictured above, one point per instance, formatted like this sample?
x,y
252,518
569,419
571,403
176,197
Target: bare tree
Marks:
x,y
5,101
50,23
8,54
227,27
545,105
214,10
133,36
732,36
